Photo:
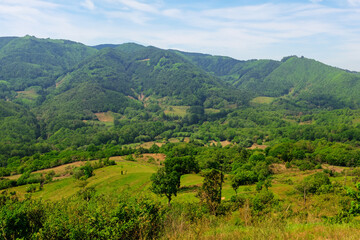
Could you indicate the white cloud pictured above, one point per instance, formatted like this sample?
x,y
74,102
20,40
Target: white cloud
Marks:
x,y
88,4
138,6
354,2
134,17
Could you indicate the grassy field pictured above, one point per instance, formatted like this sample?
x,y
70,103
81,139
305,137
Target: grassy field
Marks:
x,y
136,176
107,180
176,110
105,116
262,100
288,220
28,94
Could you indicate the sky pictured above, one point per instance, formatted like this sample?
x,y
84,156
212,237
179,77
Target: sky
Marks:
x,y
325,30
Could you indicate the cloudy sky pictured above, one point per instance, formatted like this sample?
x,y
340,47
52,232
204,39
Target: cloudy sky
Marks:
x,y
325,30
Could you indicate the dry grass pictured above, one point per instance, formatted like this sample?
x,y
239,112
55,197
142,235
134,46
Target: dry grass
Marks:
x,y
148,145
62,170
105,116
145,157
241,225
255,146
306,123
223,143
144,60
29,94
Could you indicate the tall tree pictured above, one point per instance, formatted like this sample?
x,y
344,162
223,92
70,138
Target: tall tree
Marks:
x,y
210,193
165,183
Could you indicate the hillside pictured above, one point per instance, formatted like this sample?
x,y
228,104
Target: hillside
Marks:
x,y
28,61
150,94
123,141
305,81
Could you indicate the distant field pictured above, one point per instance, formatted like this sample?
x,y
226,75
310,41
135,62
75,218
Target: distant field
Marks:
x,y
223,143
176,110
28,94
356,121
211,110
105,116
59,170
262,100
255,146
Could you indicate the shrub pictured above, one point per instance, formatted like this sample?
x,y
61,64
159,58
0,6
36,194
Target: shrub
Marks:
x,y
316,183
6,183
31,188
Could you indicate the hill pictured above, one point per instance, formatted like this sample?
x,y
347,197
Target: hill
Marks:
x,y
151,94
307,82
29,61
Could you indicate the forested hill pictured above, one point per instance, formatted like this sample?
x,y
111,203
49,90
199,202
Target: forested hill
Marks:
x,y
59,94
52,68
305,81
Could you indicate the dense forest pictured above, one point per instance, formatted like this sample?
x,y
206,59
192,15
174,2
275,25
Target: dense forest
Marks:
x,y
240,141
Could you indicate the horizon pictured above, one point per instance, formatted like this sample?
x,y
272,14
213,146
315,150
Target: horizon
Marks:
x,y
173,49
327,31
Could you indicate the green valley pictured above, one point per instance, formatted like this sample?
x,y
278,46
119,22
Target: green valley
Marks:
x,y
123,141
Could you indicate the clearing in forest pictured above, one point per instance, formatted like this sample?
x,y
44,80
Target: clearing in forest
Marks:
x,y
176,110
105,116
28,94
262,100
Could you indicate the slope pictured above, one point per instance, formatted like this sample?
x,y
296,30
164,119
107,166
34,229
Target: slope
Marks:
x,y
128,71
29,61
307,82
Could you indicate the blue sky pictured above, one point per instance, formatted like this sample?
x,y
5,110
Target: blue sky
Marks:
x,y
328,31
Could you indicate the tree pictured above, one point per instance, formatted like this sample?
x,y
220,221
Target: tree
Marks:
x,y
165,183
316,183
243,177
355,204
211,189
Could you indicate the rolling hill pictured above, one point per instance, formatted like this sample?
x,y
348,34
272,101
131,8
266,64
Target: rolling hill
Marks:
x,y
305,81
63,86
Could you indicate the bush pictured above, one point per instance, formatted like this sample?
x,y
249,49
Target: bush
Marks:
x,y
6,183
83,172
316,183
262,202
31,188
288,165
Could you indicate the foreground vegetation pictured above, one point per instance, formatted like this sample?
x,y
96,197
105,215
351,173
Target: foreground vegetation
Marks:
x,y
117,201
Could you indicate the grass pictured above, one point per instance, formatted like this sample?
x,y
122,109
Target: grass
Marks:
x,y
28,94
107,180
262,100
105,116
238,224
211,110
176,110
